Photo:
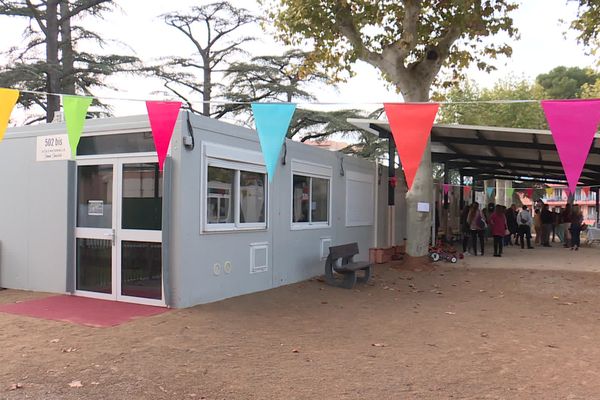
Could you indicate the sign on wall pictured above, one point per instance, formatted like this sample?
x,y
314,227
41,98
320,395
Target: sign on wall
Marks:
x,y
52,148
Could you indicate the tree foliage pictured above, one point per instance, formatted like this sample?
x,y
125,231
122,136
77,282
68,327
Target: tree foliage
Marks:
x,y
283,78
566,83
408,41
587,23
510,115
54,29
212,30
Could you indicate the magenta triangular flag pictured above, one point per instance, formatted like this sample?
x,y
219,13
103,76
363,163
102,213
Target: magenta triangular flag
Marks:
x,y
162,116
573,124
446,187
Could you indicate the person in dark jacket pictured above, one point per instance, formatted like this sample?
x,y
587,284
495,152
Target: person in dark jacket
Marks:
x,y
576,227
511,220
466,230
547,217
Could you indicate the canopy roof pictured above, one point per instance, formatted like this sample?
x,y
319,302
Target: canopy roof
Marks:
x,y
487,152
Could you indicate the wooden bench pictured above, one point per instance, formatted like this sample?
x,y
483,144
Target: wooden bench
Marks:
x,y
340,261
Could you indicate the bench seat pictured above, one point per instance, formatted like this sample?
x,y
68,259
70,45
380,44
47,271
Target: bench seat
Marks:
x,y
340,261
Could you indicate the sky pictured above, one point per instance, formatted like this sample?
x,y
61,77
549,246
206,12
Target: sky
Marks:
x,y
544,44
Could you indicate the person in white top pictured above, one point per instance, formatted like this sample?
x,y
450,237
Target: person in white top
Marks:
x,y
524,222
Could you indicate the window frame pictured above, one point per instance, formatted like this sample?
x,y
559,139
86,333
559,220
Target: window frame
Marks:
x,y
311,170
212,153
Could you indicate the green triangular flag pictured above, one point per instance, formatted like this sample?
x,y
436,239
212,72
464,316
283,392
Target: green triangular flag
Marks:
x,y
75,108
509,192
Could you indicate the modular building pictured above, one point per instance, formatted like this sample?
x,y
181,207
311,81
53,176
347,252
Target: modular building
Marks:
x,y
110,225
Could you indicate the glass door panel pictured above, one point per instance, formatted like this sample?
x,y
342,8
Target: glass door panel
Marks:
x,y
94,196
94,265
142,197
141,269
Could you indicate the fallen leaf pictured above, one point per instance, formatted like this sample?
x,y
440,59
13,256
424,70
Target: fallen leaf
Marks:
x,y
552,346
295,351
378,344
16,386
566,303
69,350
450,313
324,302
54,340
75,384
483,334
555,297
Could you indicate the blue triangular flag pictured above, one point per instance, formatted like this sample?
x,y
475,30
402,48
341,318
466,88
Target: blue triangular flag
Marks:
x,y
489,190
272,122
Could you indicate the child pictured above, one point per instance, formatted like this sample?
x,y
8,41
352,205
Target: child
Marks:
x,y
499,227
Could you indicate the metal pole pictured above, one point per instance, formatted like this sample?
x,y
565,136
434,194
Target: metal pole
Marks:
x,y
462,195
597,205
446,180
391,191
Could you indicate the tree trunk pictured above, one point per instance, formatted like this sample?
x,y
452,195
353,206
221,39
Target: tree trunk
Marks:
x,y
53,72
67,82
207,89
418,224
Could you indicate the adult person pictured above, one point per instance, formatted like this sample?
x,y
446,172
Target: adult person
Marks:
x,y
537,225
547,219
465,229
499,227
477,226
554,225
487,213
511,221
524,221
566,224
576,226
559,226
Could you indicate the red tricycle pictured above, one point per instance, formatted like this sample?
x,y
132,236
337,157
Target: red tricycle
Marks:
x,y
443,251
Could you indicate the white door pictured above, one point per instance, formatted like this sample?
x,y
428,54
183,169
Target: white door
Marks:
x,y
118,249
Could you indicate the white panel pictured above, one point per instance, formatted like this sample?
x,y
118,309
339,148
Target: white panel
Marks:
x,y
259,257
237,154
325,244
311,168
360,205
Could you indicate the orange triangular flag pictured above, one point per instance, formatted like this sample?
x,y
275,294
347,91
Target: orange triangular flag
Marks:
x,y
411,125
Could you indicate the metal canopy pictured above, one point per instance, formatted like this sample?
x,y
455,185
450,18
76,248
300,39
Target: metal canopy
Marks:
x,y
488,152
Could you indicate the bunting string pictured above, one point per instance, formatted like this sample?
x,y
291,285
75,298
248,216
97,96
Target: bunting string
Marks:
x,y
573,124
304,103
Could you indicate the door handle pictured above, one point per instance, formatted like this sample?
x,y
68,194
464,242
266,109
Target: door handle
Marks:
x,y
112,236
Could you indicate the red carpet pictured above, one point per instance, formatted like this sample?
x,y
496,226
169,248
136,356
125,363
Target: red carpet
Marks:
x,y
81,310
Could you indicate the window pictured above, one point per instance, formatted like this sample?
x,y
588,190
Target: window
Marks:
x,y
235,198
310,200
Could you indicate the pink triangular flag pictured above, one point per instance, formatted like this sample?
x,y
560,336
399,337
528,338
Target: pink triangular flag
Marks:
x,y
573,124
446,187
162,116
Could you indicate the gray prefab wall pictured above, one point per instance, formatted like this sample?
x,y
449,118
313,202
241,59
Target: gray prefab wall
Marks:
x,y
203,261
209,265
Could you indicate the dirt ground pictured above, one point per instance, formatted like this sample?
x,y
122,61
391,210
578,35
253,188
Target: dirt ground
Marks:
x,y
525,326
